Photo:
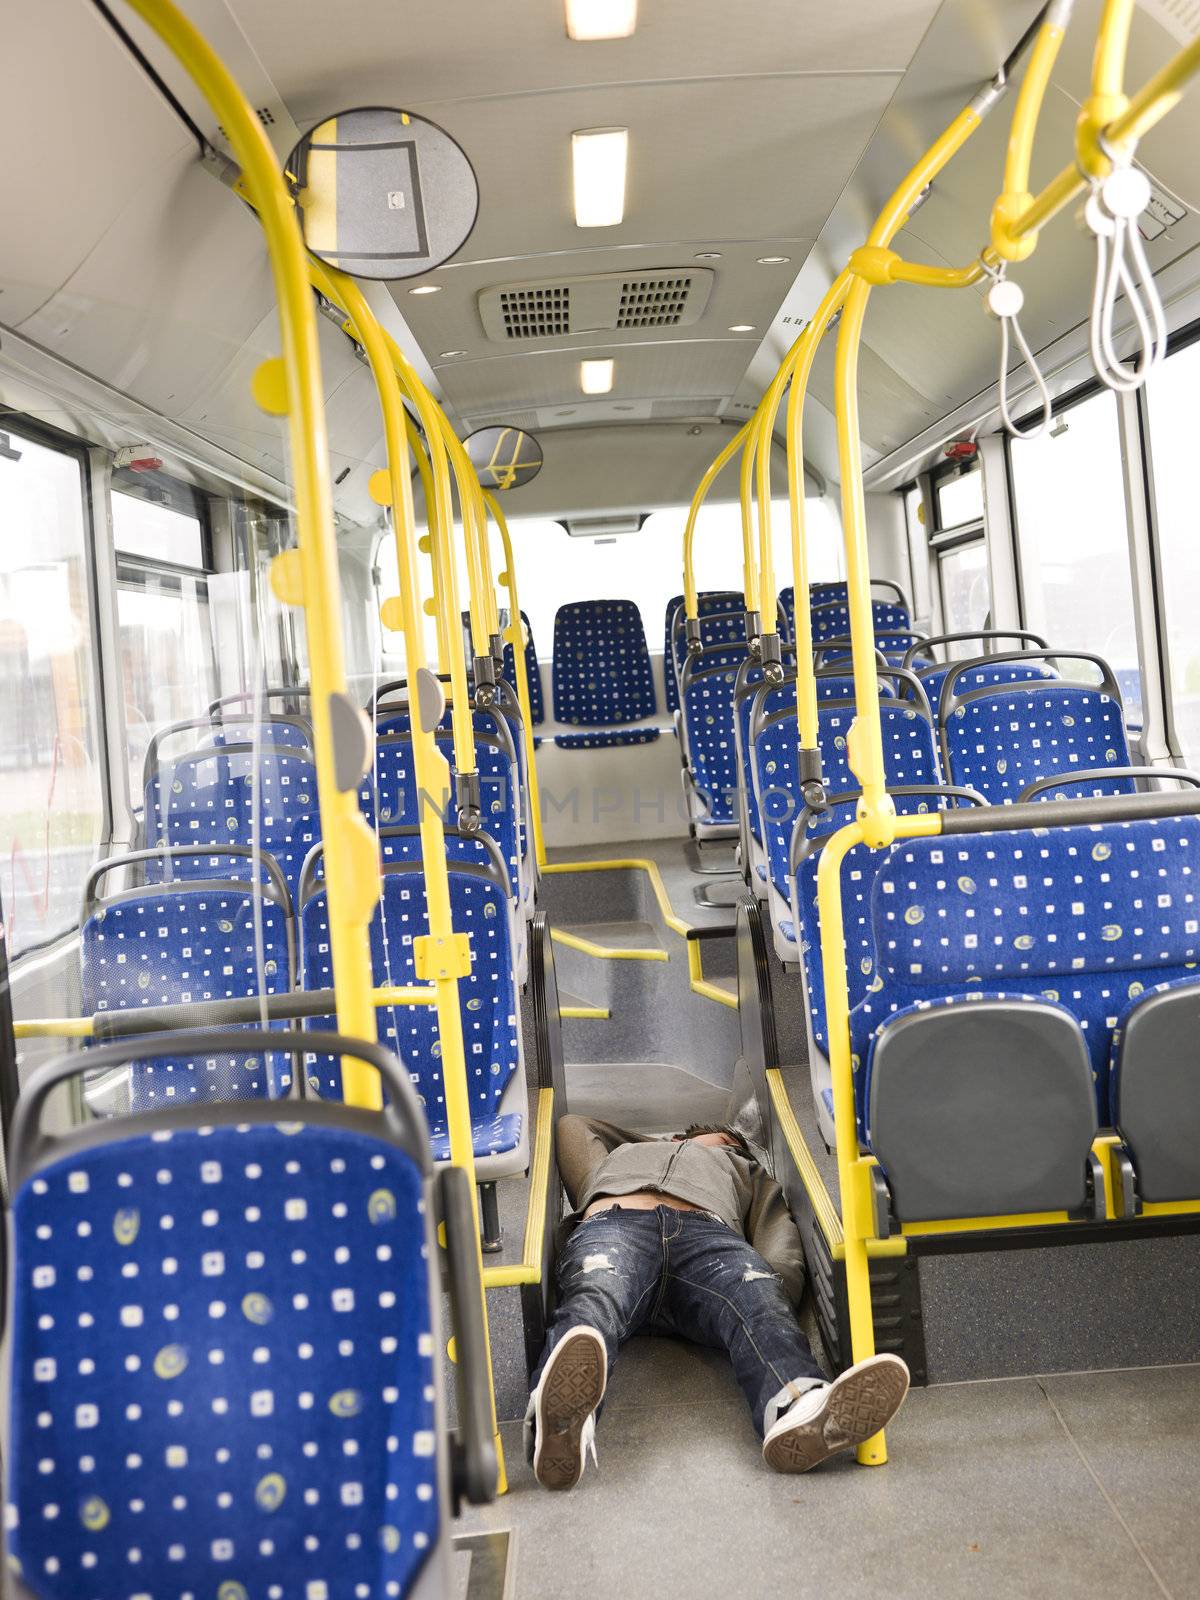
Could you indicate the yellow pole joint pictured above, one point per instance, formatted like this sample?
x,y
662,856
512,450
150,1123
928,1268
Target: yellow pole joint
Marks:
x,y
1007,244
874,263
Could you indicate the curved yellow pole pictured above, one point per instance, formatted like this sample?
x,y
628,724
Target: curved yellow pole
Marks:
x,y
746,500
1015,195
307,576
1107,99
516,638
691,602
876,810
427,543
442,956
807,346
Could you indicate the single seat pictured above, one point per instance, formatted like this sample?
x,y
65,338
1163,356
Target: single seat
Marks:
x,y
207,797
225,1373
824,594
184,941
602,674
832,621
910,758
1153,1089
480,908
533,672
999,739
708,600
1077,918
984,673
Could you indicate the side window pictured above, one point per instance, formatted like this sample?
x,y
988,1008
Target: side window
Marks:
x,y
960,546
1073,538
1171,397
51,789
168,669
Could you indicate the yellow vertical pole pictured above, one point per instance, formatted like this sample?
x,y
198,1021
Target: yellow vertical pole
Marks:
x,y
307,576
427,543
746,498
691,601
442,956
516,638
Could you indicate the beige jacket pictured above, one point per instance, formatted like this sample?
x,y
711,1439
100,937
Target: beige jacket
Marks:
x,y
598,1158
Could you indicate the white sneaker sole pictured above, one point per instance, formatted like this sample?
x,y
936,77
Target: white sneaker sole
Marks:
x,y
857,1405
571,1387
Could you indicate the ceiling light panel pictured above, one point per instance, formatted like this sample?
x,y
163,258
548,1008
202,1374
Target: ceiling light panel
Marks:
x,y
598,161
601,19
595,377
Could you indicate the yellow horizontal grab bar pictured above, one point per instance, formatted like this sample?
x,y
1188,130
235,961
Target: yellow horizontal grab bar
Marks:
x,y
585,1013
605,952
529,1269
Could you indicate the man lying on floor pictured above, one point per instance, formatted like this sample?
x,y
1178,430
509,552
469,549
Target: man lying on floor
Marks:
x,y
688,1235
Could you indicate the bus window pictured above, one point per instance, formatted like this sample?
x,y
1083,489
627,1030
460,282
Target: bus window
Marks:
x,y
51,797
1072,532
966,591
1171,400
646,566
959,497
168,669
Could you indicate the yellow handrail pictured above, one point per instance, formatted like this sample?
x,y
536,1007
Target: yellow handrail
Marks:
x,y
690,598
441,956
516,638
307,576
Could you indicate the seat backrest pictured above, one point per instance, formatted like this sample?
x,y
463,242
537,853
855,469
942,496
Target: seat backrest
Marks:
x,y
707,601
207,797
909,758
185,943
602,673
1000,739
399,801
827,594
487,996
1087,916
832,621
287,732
224,1363
983,674
537,706
708,725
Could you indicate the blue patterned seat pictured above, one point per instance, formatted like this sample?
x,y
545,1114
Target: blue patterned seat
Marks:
x,y
533,672
225,1365
185,942
709,743
827,594
1002,738
602,673
287,733
982,674
707,601
207,797
487,998
832,620
1086,917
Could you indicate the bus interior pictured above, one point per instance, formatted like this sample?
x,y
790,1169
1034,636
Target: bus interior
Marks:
x,y
613,558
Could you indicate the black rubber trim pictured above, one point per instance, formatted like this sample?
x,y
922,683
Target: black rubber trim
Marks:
x,y
474,1469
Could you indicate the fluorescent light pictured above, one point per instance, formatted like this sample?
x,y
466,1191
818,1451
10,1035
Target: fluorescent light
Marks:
x,y
595,377
601,19
427,288
448,355
598,158
772,261
742,327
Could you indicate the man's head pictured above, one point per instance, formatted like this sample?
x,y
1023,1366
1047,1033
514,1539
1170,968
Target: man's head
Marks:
x,y
713,1133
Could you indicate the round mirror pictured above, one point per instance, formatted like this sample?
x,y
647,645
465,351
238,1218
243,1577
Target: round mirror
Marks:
x,y
504,458
383,193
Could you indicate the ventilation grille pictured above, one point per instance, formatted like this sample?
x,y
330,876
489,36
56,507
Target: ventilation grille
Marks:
x,y
264,114
653,302
536,313
1181,18
598,303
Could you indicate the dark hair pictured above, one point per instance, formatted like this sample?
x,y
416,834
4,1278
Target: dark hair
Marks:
x,y
743,1149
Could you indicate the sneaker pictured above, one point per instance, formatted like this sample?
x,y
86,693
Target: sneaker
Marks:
x,y
838,1415
564,1407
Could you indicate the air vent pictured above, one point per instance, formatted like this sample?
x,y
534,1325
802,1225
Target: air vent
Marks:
x,y
536,313
599,303
653,302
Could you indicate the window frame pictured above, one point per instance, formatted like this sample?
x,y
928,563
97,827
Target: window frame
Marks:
x,y
20,426
944,535
1182,339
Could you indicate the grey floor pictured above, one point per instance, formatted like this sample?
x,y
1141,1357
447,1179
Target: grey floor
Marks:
x,y
1074,1485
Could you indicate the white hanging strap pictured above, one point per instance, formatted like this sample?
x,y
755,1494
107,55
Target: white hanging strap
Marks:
x,y
1004,301
1112,211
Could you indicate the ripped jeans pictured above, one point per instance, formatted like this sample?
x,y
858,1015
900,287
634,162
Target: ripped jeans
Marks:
x,y
683,1272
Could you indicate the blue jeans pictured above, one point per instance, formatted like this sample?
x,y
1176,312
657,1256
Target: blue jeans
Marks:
x,y
683,1272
